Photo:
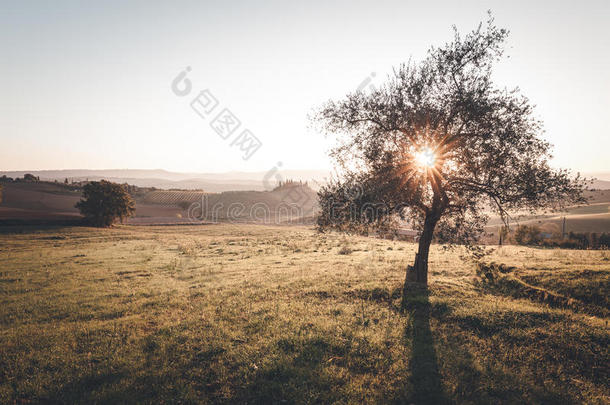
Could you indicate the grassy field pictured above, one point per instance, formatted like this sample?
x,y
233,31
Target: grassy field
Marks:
x,y
256,314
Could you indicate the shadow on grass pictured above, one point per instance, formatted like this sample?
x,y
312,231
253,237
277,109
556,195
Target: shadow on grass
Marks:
x,y
425,380
308,366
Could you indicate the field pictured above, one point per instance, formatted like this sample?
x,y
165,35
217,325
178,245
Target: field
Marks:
x,y
260,314
47,203
593,217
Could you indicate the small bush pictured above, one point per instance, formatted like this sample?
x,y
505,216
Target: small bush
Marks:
x,y
531,236
345,250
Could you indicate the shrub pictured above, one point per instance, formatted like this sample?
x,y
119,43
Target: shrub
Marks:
x,y
584,240
527,235
345,250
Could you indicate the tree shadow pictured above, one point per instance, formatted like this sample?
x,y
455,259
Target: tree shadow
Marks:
x,y
425,380
466,381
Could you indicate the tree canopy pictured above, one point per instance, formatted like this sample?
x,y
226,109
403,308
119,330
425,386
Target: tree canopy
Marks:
x,y
104,203
439,146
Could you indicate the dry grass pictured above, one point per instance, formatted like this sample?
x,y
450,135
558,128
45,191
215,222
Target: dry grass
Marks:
x,y
228,313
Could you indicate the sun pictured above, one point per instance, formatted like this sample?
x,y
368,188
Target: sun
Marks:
x,y
425,158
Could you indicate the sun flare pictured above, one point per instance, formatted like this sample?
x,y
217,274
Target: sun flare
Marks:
x,y
425,158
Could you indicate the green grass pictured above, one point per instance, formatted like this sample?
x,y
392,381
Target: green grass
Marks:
x,y
227,313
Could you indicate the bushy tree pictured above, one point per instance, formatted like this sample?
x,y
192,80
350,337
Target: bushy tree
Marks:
x,y
104,203
527,235
436,146
30,178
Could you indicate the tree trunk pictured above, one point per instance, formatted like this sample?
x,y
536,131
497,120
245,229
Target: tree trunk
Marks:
x,y
418,273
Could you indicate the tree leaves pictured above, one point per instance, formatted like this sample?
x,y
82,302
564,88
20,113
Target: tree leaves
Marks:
x,y
104,203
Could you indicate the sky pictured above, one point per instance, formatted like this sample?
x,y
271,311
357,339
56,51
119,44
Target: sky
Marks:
x,y
88,85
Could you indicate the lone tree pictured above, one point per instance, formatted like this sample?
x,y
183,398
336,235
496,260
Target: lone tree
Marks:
x,y
436,146
104,203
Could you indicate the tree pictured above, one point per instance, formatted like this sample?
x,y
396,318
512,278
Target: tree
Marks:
x,y
503,233
521,235
30,178
527,235
104,203
435,146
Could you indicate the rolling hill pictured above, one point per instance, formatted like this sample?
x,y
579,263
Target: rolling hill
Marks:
x,y
47,201
210,182
248,201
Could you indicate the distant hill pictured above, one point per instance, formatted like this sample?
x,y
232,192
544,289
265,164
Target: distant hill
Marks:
x,y
295,203
211,182
601,180
600,185
593,217
598,175
49,201
234,196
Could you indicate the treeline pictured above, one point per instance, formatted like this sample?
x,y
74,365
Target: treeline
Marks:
x,y
289,183
30,178
532,236
77,185
27,178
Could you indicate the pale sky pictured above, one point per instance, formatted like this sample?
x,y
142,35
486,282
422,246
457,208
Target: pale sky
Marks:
x,y
86,84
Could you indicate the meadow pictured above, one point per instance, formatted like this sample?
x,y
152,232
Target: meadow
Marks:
x,y
259,314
